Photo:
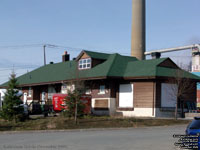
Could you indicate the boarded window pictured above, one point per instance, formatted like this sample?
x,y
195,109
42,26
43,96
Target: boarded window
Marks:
x,y
126,95
102,103
168,95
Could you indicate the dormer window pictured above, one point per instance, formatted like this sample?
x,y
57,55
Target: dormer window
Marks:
x,y
85,63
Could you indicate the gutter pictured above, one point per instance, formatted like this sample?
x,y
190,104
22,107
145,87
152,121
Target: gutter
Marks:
x,y
55,82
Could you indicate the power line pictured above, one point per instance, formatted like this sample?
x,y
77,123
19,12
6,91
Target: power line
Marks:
x,y
17,74
64,47
79,49
20,46
102,51
54,46
7,76
26,65
17,68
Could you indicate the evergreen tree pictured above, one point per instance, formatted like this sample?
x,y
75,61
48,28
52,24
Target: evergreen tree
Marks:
x,y
11,109
74,104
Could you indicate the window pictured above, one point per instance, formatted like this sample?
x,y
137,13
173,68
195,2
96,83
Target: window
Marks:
x,y
51,91
168,95
126,92
102,89
64,89
88,91
85,63
29,92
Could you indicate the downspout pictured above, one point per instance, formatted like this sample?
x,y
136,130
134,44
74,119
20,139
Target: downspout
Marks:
x,y
153,108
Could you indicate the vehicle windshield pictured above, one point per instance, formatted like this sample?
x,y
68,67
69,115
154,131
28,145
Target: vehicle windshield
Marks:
x,y
195,124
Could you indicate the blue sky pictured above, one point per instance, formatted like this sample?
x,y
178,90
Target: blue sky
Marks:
x,y
99,25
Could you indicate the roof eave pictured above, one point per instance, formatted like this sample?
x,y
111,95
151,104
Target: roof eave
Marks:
x,y
163,77
140,77
81,53
57,82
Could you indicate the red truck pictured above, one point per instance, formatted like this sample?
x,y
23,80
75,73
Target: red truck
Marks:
x,y
59,103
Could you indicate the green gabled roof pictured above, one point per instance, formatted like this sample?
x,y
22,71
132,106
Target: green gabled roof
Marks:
x,y
100,70
143,68
115,65
170,72
119,65
97,55
48,73
63,71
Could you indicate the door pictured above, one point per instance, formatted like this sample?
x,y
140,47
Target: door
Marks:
x,y
25,98
43,97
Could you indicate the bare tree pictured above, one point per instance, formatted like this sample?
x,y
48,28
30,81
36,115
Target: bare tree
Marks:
x,y
186,67
181,86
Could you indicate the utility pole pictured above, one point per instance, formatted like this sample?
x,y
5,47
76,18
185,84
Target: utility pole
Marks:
x,y
44,55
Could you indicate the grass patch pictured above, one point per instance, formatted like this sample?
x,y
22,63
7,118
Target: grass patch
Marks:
x,y
54,123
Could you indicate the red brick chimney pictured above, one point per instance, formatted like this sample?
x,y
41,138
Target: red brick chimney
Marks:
x,y
65,57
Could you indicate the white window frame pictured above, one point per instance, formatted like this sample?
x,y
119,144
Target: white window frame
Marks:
x,y
102,89
87,62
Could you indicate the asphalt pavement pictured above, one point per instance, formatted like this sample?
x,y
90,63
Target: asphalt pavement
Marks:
x,y
148,138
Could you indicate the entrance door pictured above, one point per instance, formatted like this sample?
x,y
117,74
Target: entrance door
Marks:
x,y
126,95
25,98
43,97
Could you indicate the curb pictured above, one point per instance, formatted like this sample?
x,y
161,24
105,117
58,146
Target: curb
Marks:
x,y
83,130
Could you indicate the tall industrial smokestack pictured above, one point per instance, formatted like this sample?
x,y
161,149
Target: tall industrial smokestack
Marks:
x,y
138,29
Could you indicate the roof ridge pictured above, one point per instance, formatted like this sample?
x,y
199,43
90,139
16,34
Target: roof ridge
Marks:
x,y
129,57
114,59
164,58
58,63
97,52
95,55
156,69
147,60
157,65
124,63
